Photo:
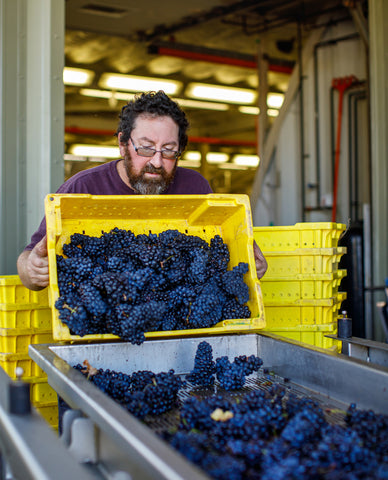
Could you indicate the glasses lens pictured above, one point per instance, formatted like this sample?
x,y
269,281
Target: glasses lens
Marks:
x,y
145,152
169,154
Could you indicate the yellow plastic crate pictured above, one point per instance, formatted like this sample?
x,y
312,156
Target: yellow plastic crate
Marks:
x,y
13,340
10,361
320,285
311,334
202,215
43,394
300,235
35,318
303,312
303,261
13,292
49,413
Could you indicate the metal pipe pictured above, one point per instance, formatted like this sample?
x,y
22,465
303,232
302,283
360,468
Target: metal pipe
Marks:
x,y
301,106
353,156
325,43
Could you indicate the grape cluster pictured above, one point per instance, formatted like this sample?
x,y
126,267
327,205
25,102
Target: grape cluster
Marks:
x,y
142,393
204,366
230,375
127,285
262,437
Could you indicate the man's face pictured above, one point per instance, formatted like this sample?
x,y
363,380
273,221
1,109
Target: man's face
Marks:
x,y
151,175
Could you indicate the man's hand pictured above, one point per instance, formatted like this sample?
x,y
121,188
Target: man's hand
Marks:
x,y
261,262
33,266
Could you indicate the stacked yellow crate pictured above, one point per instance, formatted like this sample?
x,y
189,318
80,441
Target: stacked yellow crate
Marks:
x,y
25,318
300,289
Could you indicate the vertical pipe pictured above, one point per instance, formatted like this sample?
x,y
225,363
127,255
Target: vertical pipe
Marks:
x,y
332,131
368,293
351,137
317,137
358,97
301,106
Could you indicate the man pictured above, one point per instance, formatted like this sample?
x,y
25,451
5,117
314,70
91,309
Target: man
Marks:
x,y
152,134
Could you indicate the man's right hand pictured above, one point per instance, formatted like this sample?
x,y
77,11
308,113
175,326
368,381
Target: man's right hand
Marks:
x,y
33,267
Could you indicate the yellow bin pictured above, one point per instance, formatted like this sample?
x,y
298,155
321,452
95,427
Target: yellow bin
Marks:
x,y
202,215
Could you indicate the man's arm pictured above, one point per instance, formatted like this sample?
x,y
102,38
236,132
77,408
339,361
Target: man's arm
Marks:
x,y
33,267
261,262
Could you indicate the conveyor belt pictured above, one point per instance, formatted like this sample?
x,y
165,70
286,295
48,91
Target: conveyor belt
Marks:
x,y
333,410
126,444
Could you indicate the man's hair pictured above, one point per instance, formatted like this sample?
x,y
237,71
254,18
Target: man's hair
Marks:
x,y
153,104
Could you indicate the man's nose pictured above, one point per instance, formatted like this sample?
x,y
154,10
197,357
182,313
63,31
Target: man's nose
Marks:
x,y
157,160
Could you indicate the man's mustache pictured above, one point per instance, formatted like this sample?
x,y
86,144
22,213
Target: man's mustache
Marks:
x,y
151,169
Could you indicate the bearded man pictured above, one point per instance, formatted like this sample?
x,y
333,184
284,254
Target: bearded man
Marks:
x,y
152,135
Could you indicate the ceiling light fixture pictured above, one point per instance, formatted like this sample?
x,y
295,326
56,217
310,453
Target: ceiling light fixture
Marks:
x,y
217,157
246,160
271,112
250,110
77,76
231,166
275,100
189,163
131,83
193,155
93,92
85,150
220,93
185,103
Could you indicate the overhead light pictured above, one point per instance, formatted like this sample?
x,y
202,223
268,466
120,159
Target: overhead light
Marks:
x,y
231,166
189,163
131,83
249,109
93,92
77,76
85,150
192,155
211,157
222,107
220,93
271,112
216,157
246,160
275,100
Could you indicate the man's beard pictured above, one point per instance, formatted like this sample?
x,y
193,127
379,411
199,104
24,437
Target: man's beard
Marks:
x,y
147,186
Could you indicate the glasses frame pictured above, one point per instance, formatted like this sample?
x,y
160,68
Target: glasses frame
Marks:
x,y
162,152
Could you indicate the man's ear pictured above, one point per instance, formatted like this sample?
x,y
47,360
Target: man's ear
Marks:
x,y
121,144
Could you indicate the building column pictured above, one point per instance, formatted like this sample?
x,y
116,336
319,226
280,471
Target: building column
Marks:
x,y
31,118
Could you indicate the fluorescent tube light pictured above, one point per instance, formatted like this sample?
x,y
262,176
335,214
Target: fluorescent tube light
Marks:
x,y
246,160
217,157
77,76
93,92
85,150
275,100
271,112
192,155
189,163
116,81
231,166
220,93
222,107
249,109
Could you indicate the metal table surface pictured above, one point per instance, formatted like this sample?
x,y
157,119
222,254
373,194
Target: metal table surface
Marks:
x,y
126,444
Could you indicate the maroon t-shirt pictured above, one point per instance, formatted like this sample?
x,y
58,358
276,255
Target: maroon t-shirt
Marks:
x,y
105,180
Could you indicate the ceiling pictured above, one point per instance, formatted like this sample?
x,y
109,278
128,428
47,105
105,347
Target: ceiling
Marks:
x,y
208,41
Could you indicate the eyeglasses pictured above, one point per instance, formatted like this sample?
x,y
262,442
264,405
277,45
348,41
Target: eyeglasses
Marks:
x,y
150,152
